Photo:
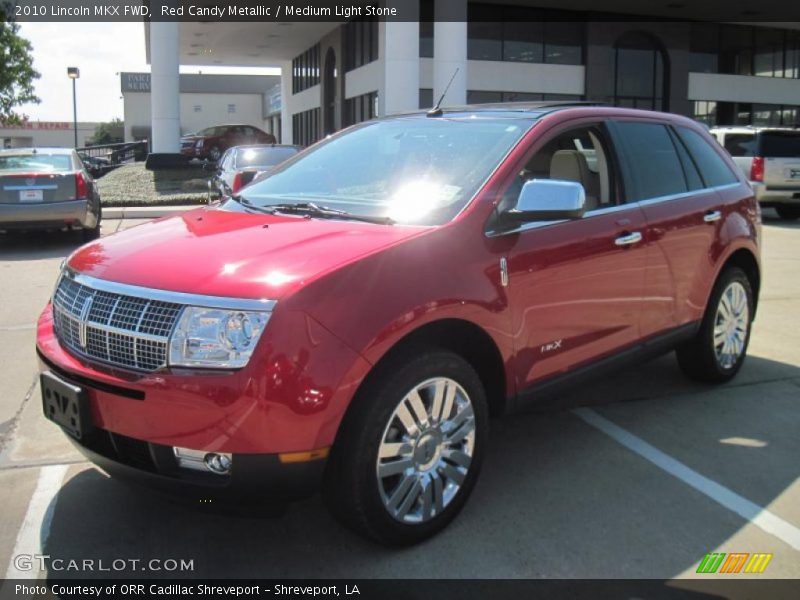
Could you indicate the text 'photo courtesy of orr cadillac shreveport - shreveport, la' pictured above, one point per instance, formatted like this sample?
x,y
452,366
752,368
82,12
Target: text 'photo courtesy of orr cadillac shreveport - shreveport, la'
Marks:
x,y
334,296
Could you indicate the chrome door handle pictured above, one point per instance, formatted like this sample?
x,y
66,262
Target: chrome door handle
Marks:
x,y
712,216
628,239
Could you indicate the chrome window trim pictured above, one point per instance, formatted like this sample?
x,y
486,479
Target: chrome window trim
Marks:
x,y
612,209
221,302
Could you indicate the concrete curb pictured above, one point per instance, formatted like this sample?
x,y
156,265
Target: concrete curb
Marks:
x,y
144,212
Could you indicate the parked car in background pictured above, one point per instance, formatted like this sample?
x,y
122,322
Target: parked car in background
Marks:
x,y
96,165
770,159
350,321
47,188
211,143
242,164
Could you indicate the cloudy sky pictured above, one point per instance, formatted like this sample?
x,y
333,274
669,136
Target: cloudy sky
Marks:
x,y
100,51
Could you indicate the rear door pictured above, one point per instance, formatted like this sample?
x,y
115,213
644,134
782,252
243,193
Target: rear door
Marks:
x,y
781,152
675,175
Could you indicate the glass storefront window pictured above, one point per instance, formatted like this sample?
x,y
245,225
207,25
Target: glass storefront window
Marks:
x,y
768,54
523,40
563,43
640,76
704,48
520,34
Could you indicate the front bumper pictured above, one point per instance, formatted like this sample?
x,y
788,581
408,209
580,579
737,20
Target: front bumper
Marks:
x,y
278,405
44,215
255,479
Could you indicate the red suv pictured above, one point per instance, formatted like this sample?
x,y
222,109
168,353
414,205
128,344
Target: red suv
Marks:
x,y
211,143
351,321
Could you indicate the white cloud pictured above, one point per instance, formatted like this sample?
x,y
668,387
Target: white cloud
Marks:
x,y
100,51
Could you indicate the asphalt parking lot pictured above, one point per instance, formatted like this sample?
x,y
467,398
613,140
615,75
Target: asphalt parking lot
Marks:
x,y
652,473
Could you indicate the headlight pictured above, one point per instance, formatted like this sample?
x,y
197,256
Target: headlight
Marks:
x,y
214,337
198,144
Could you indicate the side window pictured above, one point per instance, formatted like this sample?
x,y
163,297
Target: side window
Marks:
x,y
227,160
580,155
740,144
690,169
653,167
712,167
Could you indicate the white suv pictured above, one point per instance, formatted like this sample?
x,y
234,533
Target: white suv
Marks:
x,y
770,158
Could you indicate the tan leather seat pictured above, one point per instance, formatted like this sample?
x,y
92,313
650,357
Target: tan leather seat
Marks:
x,y
571,165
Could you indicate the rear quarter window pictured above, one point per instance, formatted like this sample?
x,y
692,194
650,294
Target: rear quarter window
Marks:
x,y
713,168
652,166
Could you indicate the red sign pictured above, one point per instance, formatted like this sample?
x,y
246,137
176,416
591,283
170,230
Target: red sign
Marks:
x,y
39,125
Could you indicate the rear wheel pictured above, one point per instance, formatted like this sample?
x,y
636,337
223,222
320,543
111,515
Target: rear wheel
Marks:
x,y
718,350
89,235
788,213
410,451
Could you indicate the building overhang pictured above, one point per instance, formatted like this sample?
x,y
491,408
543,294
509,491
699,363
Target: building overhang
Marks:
x,y
235,44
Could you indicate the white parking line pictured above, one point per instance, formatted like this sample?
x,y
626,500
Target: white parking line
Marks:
x,y
18,327
743,507
35,526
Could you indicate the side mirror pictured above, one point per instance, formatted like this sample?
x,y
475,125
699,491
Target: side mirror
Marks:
x,y
548,200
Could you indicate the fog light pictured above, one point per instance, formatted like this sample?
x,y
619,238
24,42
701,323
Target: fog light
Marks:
x,y
218,463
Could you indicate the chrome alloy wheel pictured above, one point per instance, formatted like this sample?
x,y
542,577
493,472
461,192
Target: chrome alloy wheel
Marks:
x,y
426,450
730,325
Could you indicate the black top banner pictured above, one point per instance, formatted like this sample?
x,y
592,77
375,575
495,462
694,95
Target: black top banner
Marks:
x,y
778,11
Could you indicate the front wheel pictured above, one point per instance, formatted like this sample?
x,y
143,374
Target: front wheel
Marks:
x,y
718,350
788,213
409,452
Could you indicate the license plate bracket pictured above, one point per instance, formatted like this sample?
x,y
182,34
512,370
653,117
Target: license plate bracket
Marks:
x,y
66,404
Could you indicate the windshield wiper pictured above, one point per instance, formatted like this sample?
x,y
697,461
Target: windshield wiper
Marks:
x,y
247,204
311,209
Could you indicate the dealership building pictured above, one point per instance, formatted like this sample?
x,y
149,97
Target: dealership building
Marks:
x,y
205,100
44,134
337,74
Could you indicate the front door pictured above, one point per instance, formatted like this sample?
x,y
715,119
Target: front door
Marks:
x,y
575,287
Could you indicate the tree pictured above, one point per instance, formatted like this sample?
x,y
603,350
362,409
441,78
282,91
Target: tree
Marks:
x,y
16,69
109,133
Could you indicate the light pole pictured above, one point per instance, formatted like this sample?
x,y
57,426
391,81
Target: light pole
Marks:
x,y
73,73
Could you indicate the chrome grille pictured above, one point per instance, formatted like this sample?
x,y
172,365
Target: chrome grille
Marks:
x,y
113,328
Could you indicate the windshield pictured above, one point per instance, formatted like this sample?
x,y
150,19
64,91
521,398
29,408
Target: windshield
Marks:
x,y
263,157
416,171
35,162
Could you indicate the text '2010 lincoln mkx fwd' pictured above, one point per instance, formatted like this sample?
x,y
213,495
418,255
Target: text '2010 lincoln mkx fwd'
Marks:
x,y
350,322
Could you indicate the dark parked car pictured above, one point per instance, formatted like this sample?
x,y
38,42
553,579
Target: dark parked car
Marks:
x,y
350,322
96,165
211,143
47,188
242,164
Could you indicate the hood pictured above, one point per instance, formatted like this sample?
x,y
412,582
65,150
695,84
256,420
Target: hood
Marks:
x,y
221,253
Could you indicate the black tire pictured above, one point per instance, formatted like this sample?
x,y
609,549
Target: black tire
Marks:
x,y
89,235
788,213
698,357
352,487
214,154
